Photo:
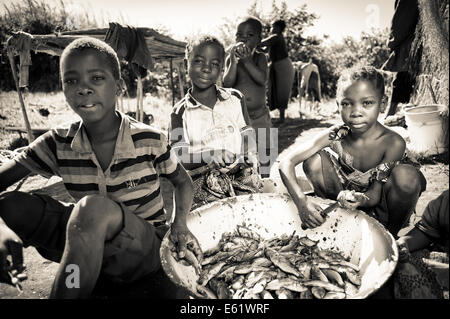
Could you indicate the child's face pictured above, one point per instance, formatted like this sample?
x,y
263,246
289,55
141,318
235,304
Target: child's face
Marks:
x,y
89,85
359,104
205,65
247,33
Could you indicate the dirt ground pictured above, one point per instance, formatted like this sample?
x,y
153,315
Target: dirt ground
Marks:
x,y
291,133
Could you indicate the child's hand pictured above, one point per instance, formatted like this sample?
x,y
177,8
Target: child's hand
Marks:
x,y
222,158
184,240
338,132
351,199
232,52
310,214
443,110
242,51
403,251
10,245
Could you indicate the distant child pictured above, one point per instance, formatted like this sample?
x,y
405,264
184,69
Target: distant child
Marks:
x,y
210,125
112,165
423,267
361,164
246,70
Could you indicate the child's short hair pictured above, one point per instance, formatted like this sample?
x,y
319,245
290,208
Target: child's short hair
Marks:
x,y
280,23
367,73
204,39
255,22
85,43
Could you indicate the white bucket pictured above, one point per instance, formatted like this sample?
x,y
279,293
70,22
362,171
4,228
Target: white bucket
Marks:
x,y
426,129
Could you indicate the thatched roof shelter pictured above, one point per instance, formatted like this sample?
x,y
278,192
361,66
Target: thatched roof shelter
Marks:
x,y
160,46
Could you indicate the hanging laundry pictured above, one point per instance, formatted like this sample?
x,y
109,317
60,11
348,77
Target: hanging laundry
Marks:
x,y
130,45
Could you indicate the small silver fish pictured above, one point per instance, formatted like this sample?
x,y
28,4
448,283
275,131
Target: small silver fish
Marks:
x,y
333,276
350,289
206,292
323,284
316,273
282,262
210,272
266,295
318,292
334,295
261,261
284,293
238,283
307,294
305,241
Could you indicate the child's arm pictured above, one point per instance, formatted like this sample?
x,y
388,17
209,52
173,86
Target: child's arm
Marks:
x,y
229,76
394,152
414,240
269,41
180,234
10,243
248,135
11,172
192,160
258,70
309,212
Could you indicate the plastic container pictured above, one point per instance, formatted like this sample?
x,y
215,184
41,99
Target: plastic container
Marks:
x,y
426,129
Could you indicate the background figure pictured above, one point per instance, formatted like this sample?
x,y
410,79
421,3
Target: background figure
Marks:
x,y
281,71
402,31
309,85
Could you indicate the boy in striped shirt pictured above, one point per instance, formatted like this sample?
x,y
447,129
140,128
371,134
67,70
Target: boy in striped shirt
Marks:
x,y
111,165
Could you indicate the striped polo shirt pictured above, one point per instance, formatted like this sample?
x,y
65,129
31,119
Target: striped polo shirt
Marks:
x,y
201,128
141,156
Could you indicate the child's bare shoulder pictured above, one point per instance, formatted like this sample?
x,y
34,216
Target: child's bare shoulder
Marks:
x,y
392,138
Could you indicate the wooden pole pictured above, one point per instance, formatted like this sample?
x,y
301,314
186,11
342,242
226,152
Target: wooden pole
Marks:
x,y
171,82
180,79
19,92
138,98
141,101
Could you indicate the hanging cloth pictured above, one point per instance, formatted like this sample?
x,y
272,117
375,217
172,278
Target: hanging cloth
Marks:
x,y
130,45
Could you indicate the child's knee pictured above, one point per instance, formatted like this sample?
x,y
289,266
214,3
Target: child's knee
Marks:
x,y
95,213
16,204
406,180
313,166
8,199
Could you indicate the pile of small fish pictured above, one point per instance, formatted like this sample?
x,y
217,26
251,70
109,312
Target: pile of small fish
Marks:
x,y
244,266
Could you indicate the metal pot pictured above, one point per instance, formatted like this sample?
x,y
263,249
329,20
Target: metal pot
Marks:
x,y
351,232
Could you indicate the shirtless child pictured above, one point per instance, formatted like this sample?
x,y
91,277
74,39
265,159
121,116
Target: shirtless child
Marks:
x,y
246,71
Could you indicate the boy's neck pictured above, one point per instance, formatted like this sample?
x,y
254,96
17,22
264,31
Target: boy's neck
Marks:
x,y
207,97
104,130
